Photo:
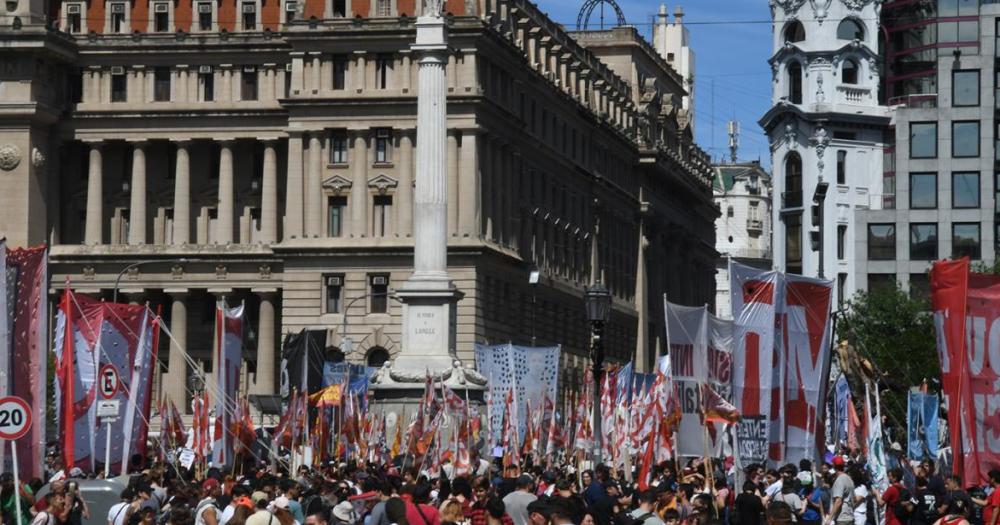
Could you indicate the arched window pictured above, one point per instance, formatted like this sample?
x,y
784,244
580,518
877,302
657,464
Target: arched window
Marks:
x,y
795,31
333,354
850,29
792,196
795,83
849,72
377,356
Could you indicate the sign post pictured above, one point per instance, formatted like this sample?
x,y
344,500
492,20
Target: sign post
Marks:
x,y
15,421
107,410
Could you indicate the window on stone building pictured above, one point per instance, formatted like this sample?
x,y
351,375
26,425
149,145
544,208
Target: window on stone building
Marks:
x,y
878,282
841,241
291,10
161,17
118,18
923,191
383,8
161,84
335,215
338,146
383,69
792,196
74,18
377,356
850,29
965,87
206,83
849,72
730,212
793,243
383,145
965,189
333,289
924,242
795,31
339,8
841,288
881,242
119,84
205,16
74,86
841,167
249,16
965,138
339,72
381,215
923,140
795,83
248,83
965,240
378,291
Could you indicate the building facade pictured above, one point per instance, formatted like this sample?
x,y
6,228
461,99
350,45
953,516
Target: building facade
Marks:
x,y
825,126
942,158
743,230
258,152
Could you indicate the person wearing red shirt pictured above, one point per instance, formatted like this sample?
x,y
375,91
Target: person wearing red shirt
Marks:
x,y
892,495
990,512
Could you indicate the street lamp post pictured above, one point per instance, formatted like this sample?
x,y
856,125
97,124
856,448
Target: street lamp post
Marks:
x,y
346,343
597,299
118,280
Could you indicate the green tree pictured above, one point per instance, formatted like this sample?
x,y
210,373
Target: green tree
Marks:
x,y
895,333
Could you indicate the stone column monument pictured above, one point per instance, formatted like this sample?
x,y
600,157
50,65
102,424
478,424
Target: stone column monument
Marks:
x,y
429,297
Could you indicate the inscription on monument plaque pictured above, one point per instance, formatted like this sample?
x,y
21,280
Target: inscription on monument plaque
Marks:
x,y
427,324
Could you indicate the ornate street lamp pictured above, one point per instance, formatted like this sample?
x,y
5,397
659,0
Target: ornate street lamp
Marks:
x,y
597,299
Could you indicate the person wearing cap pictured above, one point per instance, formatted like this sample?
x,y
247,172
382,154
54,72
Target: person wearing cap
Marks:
x,y
261,515
282,512
516,503
344,514
207,512
842,495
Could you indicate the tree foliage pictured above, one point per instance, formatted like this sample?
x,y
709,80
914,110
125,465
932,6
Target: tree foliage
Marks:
x,y
895,332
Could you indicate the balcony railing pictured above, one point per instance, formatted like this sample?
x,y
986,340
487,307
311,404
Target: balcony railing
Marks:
x,y
755,225
851,94
791,199
921,100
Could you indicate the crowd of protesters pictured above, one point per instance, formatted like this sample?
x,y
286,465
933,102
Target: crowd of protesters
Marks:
x,y
338,493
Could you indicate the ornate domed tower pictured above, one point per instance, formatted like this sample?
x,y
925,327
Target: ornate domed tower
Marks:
x,y
826,131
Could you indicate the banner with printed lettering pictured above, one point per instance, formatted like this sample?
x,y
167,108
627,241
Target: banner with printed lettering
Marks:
x,y
754,295
806,355
967,317
687,340
720,373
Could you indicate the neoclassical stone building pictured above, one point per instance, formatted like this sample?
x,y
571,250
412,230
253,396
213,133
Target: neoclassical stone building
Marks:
x,y
261,151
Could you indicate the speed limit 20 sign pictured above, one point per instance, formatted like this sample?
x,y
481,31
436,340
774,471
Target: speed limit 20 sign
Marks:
x,y
108,380
15,418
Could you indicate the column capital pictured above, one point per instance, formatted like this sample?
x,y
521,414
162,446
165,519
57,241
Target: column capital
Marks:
x,y
181,67
265,292
138,143
269,140
295,132
219,293
177,293
186,142
93,143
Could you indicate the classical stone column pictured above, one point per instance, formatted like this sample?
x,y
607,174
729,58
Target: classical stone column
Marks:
x,y
313,192
264,379
182,194
175,380
95,196
469,186
293,188
453,137
404,190
360,72
137,191
359,186
269,194
226,209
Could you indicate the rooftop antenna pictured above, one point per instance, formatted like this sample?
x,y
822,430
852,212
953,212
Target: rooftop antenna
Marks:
x,y
734,139
587,9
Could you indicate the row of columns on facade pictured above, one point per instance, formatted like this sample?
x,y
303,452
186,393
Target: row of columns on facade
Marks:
x,y
175,380
226,210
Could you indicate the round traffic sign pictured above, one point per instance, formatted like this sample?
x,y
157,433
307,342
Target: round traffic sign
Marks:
x,y
15,417
108,381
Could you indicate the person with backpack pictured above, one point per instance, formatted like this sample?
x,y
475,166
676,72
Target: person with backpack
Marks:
x,y
644,514
925,507
207,512
896,499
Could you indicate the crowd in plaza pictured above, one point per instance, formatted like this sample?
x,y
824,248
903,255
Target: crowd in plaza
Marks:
x,y
837,492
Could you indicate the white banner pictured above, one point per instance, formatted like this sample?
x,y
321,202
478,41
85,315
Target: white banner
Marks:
x,y
687,339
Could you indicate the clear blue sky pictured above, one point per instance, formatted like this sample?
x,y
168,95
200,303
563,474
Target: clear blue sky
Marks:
x,y
731,53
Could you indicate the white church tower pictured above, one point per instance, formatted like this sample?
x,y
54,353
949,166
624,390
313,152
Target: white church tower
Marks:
x,y
672,41
826,131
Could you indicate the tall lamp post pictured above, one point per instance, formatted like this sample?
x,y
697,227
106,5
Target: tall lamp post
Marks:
x,y
598,302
